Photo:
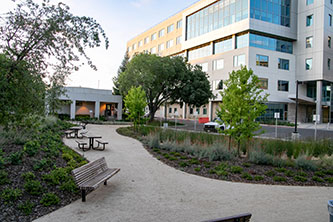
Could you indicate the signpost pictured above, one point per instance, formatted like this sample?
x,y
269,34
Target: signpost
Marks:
x,y
276,116
316,118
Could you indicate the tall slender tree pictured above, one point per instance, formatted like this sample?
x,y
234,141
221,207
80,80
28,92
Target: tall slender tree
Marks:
x,y
121,69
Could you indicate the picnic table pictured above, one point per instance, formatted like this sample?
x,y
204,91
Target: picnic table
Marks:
x,y
76,130
91,138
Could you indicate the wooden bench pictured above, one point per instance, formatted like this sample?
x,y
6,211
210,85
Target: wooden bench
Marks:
x,y
91,175
68,134
236,218
81,144
101,142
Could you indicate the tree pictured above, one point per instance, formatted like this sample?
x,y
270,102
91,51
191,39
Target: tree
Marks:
x,y
135,103
35,33
166,79
122,68
21,94
242,102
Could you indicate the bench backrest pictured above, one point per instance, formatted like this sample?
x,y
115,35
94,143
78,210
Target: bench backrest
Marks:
x,y
89,171
237,218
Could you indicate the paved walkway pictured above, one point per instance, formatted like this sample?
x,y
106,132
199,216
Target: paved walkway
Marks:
x,y
149,191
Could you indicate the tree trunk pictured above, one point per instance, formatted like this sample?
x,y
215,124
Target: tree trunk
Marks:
x,y
229,146
238,148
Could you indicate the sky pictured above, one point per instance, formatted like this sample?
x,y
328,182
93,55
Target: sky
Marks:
x,y
122,20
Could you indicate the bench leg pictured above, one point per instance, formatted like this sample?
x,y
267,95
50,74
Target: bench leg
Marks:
x,y
105,183
83,194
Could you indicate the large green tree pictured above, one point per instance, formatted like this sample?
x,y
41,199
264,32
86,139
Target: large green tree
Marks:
x,y
135,103
166,79
242,102
121,69
34,39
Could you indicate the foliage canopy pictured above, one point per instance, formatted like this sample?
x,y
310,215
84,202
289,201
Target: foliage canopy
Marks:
x,y
135,103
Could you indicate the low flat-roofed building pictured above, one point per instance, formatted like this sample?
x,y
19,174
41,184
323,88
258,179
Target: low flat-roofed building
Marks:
x,y
92,102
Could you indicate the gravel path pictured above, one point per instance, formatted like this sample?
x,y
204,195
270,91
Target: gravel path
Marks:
x,y
147,190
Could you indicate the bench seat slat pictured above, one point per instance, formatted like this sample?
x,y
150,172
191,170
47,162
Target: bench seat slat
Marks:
x,y
99,179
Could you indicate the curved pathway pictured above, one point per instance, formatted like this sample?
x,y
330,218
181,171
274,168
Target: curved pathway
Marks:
x,y
147,190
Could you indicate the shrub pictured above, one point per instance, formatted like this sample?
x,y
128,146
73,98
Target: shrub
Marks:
x,y
172,158
3,177
42,164
154,141
289,173
16,158
56,176
207,165
28,176
197,169
49,199
258,178
318,179
217,152
270,173
247,165
247,176
279,179
300,178
10,195
303,174
221,173
261,158
26,207
2,162
329,179
236,169
211,171
183,164
280,170
194,162
319,174
69,186
303,163
33,187
31,148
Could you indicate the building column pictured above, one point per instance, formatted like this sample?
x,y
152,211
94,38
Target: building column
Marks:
x,y
97,107
73,108
210,105
233,41
319,99
120,110
184,110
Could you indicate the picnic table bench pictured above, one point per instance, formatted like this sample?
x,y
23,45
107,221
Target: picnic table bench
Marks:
x,y
236,218
81,144
69,133
91,175
101,142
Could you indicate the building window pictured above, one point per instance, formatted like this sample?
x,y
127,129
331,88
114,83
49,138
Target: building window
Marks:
x,y
180,24
199,52
283,64
216,16
269,43
242,41
161,33
129,49
178,40
223,46
170,110
204,67
153,50
329,40
198,111
160,47
263,83
309,2
276,12
309,41
262,60
283,86
204,111
218,64
309,20
217,84
330,19
169,44
329,64
239,60
308,64
146,40
134,46
191,111
170,28
174,110
153,36
140,43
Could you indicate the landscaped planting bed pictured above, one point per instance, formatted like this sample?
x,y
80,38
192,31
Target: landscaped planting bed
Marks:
x,y
35,171
190,153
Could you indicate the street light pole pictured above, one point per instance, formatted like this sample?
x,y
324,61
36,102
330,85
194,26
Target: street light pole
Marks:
x,y
296,107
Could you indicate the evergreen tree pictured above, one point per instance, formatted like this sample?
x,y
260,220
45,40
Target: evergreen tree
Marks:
x,y
122,68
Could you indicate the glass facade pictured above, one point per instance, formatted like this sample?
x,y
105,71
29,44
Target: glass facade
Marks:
x,y
222,46
269,43
242,41
262,60
274,108
283,64
215,16
273,11
200,52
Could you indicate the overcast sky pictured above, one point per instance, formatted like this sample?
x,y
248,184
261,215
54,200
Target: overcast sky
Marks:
x,y
122,20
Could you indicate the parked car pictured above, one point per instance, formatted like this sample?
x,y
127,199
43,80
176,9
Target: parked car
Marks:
x,y
214,125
